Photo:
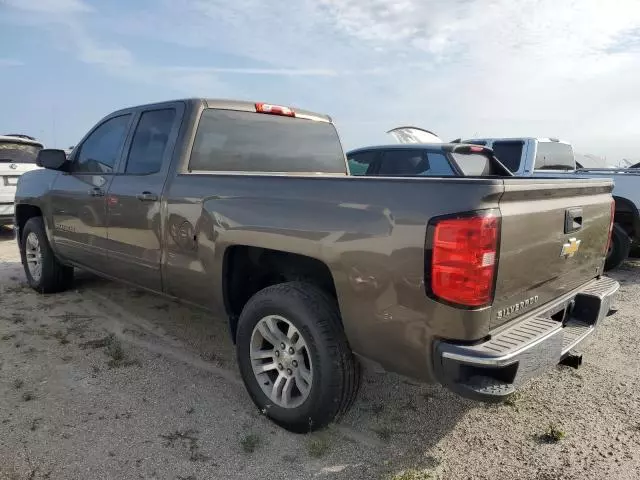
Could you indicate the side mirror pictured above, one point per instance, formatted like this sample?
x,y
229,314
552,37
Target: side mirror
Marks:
x,y
52,159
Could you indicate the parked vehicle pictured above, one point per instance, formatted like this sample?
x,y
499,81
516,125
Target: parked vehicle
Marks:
x,y
17,155
478,283
529,156
425,160
553,157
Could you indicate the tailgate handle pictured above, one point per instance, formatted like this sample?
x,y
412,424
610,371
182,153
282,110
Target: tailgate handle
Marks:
x,y
573,220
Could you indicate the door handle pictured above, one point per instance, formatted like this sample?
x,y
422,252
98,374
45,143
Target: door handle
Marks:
x,y
147,197
96,192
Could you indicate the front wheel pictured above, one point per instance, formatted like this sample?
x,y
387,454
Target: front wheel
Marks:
x,y
618,249
44,272
294,357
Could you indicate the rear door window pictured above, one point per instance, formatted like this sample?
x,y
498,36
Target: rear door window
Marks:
x,y
554,156
509,153
361,163
404,162
149,142
410,162
234,141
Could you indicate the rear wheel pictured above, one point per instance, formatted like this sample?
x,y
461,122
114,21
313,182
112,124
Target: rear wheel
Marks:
x,y
294,357
619,248
44,272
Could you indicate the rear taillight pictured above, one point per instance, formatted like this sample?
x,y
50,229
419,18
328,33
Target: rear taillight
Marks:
x,y
463,259
613,213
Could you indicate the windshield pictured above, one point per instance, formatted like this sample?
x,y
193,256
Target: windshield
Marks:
x,y
18,152
554,156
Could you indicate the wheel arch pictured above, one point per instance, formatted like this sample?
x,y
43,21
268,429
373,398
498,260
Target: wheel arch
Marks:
x,y
24,212
248,269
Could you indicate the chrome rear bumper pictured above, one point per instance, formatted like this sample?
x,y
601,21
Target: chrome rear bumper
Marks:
x,y
492,370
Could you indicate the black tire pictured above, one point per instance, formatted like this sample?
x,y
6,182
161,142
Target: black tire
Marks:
x,y
336,373
619,248
55,277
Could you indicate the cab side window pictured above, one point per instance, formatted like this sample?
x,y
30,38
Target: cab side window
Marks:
x,y
150,140
101,149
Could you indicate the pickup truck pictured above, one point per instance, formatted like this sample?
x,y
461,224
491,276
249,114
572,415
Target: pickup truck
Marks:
x,y
17,155
247,209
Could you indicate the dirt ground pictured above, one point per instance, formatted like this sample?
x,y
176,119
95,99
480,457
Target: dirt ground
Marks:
x,y
108,382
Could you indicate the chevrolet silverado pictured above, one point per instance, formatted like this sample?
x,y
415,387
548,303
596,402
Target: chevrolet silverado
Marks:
x,y
247,209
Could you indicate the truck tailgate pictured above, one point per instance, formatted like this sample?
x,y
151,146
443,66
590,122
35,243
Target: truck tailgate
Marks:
x,y
553,239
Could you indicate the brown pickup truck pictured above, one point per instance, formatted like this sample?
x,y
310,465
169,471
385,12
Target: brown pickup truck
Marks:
x,y
249,210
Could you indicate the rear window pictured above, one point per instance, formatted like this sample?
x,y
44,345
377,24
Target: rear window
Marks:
x,y
18,152
231,141
554,156
509,153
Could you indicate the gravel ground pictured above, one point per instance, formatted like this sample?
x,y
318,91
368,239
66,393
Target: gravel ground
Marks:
x,y
108,382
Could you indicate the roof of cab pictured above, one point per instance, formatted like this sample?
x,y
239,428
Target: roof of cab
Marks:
x,y
238,105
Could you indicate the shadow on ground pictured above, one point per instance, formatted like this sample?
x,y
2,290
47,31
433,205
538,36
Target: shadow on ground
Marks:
x,y
394,424
126,384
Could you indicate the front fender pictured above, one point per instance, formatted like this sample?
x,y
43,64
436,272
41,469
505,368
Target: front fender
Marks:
x,y
33,190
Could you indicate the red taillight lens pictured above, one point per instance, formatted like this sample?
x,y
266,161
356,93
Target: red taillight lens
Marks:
x,y
463,262
613,212
275,109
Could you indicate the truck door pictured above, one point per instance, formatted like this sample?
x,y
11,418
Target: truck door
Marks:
x,y
134,200
78,197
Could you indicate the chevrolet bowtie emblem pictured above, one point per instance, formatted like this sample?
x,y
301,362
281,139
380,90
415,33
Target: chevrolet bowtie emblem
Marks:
x,y
570,248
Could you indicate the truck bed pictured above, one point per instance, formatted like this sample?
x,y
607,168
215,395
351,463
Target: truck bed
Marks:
x,y
371,233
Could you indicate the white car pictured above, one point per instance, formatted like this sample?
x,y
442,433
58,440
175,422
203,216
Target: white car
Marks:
x,y
17,155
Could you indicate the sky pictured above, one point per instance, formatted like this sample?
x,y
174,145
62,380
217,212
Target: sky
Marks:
x,y
462,68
